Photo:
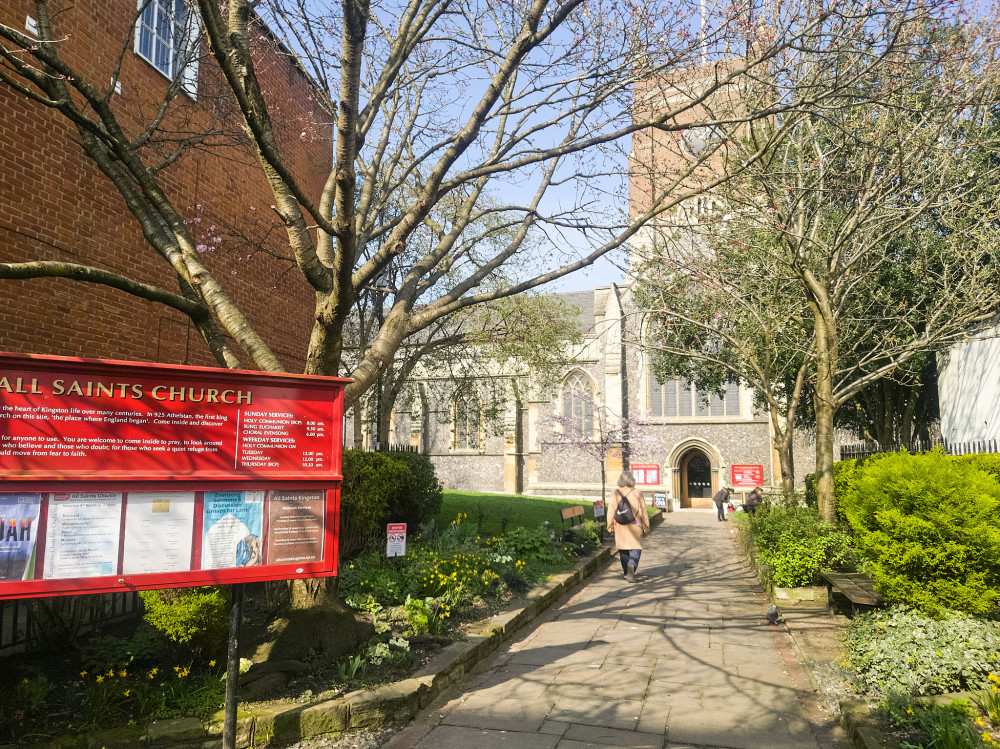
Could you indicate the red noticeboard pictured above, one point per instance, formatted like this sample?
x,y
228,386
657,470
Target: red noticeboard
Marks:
x,y
136,476
747,475
646,473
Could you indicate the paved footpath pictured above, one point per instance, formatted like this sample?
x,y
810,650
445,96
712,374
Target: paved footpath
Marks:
x,y
682,658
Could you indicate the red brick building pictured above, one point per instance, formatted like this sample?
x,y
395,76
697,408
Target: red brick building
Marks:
x,y
55,204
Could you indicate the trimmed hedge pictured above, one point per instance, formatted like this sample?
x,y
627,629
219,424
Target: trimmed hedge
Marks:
x,y
373,484
423,502
381,488
928,528
984,462
844,474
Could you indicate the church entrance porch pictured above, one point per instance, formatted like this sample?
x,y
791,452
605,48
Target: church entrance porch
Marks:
x,y
695,467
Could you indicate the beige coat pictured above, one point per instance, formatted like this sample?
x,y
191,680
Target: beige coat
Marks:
x,y
628,536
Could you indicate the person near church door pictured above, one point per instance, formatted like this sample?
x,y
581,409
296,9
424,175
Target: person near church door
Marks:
x,y
721,499
628,536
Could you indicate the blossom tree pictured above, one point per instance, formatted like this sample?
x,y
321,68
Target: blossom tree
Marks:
x,y
594,430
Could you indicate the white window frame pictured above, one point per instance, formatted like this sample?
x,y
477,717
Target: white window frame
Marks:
x,y
182,63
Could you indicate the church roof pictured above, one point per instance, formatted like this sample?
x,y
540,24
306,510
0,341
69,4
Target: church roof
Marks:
x,y
584,302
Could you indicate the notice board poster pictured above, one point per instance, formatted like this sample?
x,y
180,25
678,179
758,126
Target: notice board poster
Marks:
x,y
81,535
295,527
233,523
158,532
19,521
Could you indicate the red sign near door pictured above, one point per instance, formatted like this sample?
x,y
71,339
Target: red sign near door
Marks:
x,y
747,475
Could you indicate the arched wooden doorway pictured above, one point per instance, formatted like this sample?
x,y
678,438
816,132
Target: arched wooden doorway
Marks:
x,y
696,479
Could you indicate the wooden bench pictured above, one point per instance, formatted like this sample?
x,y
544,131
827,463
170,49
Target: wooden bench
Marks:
x,y
571,516
856,587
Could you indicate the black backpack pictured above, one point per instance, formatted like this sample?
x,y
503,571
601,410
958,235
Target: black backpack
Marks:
x,y
623,513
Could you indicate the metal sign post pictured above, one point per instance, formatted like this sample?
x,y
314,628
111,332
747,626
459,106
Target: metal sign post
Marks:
x,y
232,668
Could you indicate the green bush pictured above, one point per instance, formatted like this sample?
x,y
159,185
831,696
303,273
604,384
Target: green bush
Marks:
x,y
528,543
585,537
797,544
197,618
928,530
845,473
423,501
812,499
989,463
373,484
387,581
106,650
902,650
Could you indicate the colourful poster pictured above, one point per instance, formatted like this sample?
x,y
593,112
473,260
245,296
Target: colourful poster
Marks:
x,y
295,527
233,526
158,531
81,539
19,515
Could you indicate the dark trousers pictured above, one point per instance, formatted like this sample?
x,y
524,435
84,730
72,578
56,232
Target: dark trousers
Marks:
x,y
629,555
722,511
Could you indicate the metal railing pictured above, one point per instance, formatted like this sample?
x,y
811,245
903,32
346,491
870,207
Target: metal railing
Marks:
x,y
864,449
385,447
19,629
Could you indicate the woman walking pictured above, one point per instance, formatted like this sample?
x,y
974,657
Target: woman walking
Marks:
x,y
628,527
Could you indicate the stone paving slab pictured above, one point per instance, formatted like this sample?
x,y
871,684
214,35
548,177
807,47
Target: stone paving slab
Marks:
x,y
457,737
591,736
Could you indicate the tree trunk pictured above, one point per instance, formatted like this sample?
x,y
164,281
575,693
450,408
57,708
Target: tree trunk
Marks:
x,y
782,441
357,426
826,409
315,592
784,449
318,621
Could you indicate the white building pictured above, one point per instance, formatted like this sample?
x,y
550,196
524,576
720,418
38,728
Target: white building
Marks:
x,y
969,389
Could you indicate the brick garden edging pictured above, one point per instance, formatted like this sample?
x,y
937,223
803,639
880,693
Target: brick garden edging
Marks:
x,y
392,703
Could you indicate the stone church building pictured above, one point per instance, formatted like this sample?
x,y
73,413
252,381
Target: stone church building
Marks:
x,y
683,445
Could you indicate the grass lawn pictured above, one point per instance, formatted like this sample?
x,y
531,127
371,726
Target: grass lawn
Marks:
x,y
490,510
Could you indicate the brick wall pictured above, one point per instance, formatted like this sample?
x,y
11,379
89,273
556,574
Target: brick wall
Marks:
x,y
56,205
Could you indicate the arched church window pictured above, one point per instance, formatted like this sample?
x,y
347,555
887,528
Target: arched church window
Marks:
x,y
467,418
578,404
